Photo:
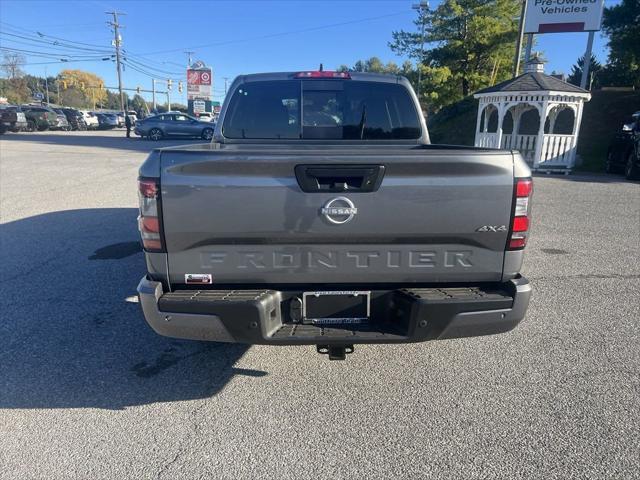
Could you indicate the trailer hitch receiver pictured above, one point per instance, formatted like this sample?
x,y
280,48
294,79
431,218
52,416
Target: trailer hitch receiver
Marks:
x,y
335,352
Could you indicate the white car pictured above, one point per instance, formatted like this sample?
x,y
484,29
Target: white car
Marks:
x,y
205,117
90,119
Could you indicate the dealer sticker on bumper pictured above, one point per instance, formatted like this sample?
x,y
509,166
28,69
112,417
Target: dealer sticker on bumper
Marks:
x,y
198,278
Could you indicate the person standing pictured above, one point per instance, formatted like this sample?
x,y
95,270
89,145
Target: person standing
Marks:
x,y
127,123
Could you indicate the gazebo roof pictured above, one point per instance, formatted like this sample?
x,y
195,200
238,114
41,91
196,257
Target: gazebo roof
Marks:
x,y
532,82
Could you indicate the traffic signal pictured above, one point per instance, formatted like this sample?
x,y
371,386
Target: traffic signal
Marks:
x,y
138,90
169,84
180,87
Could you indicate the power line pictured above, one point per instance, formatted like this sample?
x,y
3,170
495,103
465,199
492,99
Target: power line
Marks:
x,y
272,35
54,62
66,41
41,35
50,54
144,72
56,43
128,58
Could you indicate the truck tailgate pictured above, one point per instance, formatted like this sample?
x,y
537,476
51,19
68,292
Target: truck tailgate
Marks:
x,y
241,216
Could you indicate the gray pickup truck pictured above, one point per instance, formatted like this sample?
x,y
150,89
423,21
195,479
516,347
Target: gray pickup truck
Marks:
x,y
321,215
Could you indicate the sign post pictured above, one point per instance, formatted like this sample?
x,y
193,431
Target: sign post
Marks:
x,y
586,64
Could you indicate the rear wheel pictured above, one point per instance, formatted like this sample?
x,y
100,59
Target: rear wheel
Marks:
x,y
155,134
31,126
632,170
207,134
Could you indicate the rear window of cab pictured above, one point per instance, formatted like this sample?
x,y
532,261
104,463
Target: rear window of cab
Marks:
x,y
321,109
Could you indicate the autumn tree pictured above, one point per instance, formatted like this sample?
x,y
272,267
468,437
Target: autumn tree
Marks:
x,y
81,89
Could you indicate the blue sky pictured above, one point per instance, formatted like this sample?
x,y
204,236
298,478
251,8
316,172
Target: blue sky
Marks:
x,y
233,37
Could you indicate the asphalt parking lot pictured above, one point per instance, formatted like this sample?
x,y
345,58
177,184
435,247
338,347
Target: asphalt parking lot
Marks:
x,y
87,390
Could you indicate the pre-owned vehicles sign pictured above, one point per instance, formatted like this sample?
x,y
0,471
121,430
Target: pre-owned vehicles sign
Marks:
x,y
199,83
550,16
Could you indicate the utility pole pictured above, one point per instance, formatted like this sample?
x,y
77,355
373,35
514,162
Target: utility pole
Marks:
x,y
189,62
421,7
225,85
46,84
153,93
169,86
516,62
116,34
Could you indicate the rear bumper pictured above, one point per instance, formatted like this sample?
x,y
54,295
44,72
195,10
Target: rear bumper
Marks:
x,y
17,124
398,316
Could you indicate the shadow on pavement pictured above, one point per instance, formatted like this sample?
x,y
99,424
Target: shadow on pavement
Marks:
x,y
69,337
115,139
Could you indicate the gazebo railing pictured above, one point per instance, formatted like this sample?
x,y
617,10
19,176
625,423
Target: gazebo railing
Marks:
x,y
557,151
486,140
525,144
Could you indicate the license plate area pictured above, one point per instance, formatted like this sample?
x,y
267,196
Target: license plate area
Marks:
x,y
336,308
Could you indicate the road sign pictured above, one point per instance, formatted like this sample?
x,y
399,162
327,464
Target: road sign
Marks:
x,y
38,96
552,16
199,106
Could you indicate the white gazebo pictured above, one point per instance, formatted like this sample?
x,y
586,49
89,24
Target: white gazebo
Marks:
x,y
537,114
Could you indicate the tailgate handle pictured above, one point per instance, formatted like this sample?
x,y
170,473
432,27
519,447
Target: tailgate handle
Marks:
x,y
339,178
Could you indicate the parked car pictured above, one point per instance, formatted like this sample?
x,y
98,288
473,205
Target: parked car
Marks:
x,y
133,116
63,123
40,118
205,117
75,118
107,121
632,167
12,119
173,125
90,119
621,148
342,226
120,118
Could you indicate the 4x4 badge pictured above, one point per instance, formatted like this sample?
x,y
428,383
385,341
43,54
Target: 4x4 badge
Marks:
x,y
492,228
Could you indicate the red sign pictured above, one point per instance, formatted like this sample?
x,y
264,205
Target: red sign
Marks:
x,y
198,77
199,82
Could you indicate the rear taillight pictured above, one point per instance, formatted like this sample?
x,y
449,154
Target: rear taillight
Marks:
x,y
521,214
323,74
149,218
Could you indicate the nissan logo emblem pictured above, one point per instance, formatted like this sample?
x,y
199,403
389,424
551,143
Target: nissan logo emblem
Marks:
x,y
339,210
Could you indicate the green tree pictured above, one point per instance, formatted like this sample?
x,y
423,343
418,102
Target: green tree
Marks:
x,y
138,104
467,43
373,64
621,23
595,68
